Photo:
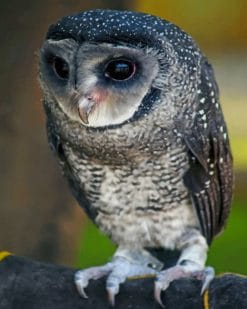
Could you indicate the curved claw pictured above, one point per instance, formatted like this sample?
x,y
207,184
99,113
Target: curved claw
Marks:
x,y
208,275
81,282
80,289
111,296
112,287
157,293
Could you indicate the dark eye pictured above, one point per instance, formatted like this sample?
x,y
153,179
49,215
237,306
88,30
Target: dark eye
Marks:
x,y
60,67
120,69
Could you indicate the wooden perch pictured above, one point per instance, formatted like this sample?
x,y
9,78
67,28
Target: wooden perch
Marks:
x,y
27,284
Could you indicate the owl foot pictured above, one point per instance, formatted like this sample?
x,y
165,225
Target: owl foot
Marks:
x,y
117,271
182,270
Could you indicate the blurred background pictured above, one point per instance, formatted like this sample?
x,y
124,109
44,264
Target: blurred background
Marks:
x,y
38,217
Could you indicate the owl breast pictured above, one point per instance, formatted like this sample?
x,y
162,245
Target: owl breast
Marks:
x,y
140,204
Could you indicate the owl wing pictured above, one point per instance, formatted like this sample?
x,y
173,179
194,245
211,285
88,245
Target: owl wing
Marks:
x,y
210,176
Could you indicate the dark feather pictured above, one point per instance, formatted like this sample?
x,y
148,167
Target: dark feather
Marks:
x,y
209,178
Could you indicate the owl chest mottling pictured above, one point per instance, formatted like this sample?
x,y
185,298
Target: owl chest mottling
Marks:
x,y
138,204
132,177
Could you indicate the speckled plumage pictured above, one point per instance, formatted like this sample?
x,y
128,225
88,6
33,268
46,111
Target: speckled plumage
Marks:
x,y
153,166
121,186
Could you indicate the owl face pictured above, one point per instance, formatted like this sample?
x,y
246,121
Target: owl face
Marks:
x,y
97,84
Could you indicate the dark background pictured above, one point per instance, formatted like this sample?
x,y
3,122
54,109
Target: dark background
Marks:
x,y
38,217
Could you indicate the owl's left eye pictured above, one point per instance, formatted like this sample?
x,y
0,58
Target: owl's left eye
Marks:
x,y
120,69
60,67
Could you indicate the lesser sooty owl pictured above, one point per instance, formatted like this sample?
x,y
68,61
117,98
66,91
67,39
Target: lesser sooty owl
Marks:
x,y
133,114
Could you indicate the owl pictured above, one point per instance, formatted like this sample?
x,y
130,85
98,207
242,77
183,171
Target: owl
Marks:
x,y
134,117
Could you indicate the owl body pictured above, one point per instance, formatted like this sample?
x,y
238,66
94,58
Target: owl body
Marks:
x,y
127,166
133,113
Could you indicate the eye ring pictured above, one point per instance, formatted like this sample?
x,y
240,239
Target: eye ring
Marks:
x,y
120,69
60,68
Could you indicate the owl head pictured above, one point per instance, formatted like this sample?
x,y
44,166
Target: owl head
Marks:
x,y
105,68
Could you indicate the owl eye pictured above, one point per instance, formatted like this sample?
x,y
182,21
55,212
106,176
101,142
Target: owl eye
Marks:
x,y
60,67
120,69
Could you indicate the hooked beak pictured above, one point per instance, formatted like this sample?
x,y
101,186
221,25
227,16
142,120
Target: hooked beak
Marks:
x,y
85,106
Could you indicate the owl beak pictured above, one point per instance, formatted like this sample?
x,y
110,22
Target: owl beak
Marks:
x,y
85,106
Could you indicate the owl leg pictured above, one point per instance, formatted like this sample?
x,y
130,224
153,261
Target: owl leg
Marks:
x,y
191,264
125,264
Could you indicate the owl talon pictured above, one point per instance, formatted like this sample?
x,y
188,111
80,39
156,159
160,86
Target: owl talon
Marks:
x,y
81,291
112,287
82,277
111,296
178,272
157,294
81,282
117,271
208,276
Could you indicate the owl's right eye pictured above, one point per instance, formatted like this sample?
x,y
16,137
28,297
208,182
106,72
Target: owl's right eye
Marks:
x,y
60,67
